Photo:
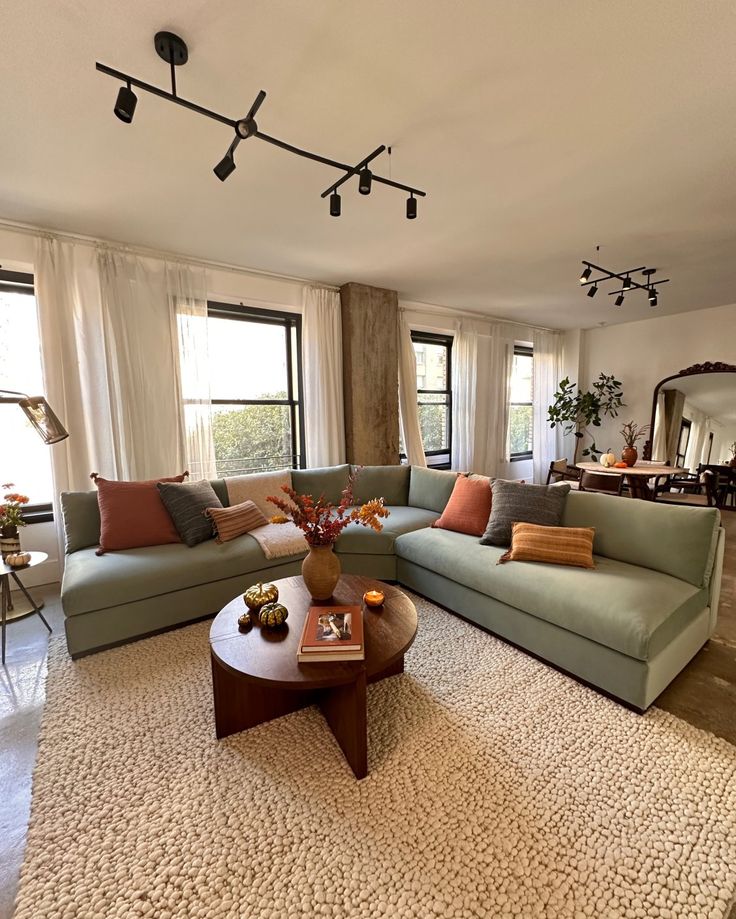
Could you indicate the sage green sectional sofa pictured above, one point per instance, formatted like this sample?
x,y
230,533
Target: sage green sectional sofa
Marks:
x,y
628,626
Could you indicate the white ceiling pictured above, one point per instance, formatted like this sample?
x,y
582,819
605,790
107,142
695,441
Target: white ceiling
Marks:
x,y
538,129
712,393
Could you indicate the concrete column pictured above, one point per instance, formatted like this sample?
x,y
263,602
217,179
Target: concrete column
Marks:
x,y
370,361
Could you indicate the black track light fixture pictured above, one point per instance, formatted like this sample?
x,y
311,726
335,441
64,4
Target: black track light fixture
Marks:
x,y
625,278
652,296
125,104
172,49
365,181
586,274
627,283
411,208
592,291
619,300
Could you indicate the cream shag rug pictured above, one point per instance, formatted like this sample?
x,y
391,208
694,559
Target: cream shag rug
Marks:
x,y
498,787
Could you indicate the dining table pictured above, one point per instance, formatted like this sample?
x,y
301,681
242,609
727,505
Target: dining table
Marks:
x,y
637,476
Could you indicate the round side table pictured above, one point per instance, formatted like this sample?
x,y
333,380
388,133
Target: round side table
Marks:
x,y
7,609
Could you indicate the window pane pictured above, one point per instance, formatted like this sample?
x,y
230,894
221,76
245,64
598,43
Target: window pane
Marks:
x,y
434,421
247,359
521,378
251,438
431,366
26,460
520,429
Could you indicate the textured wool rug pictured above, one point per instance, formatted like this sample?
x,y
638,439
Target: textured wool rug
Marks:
x,y
497,787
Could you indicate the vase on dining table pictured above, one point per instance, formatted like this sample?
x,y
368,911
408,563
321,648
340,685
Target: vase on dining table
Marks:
x,y
629,455
321,571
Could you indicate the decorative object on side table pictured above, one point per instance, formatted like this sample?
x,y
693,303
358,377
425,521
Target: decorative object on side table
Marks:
x,y
631,432
11,518
259,595
7,610
373,598
18,559
273,615
322,522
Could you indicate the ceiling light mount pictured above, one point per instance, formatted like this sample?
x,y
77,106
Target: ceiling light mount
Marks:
x,y
172,49
628,284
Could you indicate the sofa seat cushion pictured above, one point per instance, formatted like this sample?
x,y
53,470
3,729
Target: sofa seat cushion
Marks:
x,y
633,610
98,582
359,540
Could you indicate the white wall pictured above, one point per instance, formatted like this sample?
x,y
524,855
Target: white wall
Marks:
x,y
641,354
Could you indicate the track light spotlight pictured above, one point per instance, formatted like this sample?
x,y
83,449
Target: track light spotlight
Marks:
x,y
627,283
592,291
586,274
225,167
125,104
619,299
652,297
334,204
364,185
411,208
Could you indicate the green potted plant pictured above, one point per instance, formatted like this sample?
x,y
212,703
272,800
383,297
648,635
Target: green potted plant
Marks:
x,y
11,517
631,432
578,410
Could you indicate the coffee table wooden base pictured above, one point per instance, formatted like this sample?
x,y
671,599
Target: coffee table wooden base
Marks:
x,y
241,703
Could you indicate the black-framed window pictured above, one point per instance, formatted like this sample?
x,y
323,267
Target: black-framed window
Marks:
x,y
256,388
433,355
682,441
25,460
521,400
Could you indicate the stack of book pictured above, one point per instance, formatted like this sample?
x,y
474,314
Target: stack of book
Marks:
x,y
332,633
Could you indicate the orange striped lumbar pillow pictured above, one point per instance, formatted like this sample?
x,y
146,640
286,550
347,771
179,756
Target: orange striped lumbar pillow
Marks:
x,y
556,545
230,522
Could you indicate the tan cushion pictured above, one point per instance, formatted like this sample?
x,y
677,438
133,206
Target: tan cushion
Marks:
x,y
229,522
258,488
555,545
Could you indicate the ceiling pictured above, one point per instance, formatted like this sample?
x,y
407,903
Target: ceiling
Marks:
x,y
538,130
712,393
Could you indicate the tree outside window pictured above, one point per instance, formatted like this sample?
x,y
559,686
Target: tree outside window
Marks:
x,y
520,404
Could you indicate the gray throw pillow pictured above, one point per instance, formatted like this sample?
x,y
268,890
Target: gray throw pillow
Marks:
x,y
186,503
513,503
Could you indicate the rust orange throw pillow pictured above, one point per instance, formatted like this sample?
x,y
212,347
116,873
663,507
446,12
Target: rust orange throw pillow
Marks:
x,y
555,545
469,507
132,514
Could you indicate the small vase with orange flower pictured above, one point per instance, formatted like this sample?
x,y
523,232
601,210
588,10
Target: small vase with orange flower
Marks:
x,y
11,518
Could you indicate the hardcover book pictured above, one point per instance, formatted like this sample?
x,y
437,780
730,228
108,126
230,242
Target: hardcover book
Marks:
x,y
332,633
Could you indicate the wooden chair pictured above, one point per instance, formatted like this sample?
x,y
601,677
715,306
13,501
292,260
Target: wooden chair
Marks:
x,y
601,482
561,471
704,495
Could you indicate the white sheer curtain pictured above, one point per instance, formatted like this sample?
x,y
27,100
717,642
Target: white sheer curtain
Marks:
x,y
187,291
659,437
547,372
324,414
411,432
142,363
481,372
696,441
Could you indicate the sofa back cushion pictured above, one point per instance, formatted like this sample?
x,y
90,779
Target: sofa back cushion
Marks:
x,y
469,506
258,487
388,482
431,488
676,540
326,480
81,513
515,502
186,504
132,514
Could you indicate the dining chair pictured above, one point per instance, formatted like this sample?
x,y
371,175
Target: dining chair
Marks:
x,y
561,471
701,493
605,483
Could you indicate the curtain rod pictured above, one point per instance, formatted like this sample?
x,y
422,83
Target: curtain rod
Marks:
x,y
32,230
462,314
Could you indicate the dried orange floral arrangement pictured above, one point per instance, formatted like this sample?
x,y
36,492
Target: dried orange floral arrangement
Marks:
x,y
320,520
11,514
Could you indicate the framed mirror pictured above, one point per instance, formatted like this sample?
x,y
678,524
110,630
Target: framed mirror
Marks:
x,y
694,417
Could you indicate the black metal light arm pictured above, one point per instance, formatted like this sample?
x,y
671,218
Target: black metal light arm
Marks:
x,y
610,274
652,283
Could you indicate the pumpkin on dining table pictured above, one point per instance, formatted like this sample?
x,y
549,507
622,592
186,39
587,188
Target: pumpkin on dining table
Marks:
x,y
608,459
259,595
273,615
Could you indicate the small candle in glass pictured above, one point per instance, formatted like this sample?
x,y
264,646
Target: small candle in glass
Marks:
x,y
373,598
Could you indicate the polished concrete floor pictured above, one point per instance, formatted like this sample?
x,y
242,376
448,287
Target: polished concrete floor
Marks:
x,y
703,694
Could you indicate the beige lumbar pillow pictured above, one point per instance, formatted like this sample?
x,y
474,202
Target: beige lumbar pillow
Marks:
x,y
258,488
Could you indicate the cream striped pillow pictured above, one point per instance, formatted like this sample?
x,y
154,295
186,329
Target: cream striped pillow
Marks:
x,y
555,545
233,521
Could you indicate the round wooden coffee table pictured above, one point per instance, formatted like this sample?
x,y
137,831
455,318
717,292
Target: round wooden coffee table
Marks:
x,y
256,675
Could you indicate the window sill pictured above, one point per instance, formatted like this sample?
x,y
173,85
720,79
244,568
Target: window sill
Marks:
x,y
41,514
520,457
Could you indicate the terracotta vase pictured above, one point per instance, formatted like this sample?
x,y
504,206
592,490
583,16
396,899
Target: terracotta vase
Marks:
x,y
629,455
321,572
9,540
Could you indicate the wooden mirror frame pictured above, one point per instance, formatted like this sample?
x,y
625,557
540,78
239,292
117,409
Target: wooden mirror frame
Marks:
x,y
695,370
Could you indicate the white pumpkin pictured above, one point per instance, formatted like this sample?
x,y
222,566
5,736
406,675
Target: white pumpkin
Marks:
x,y
608,459
18,559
